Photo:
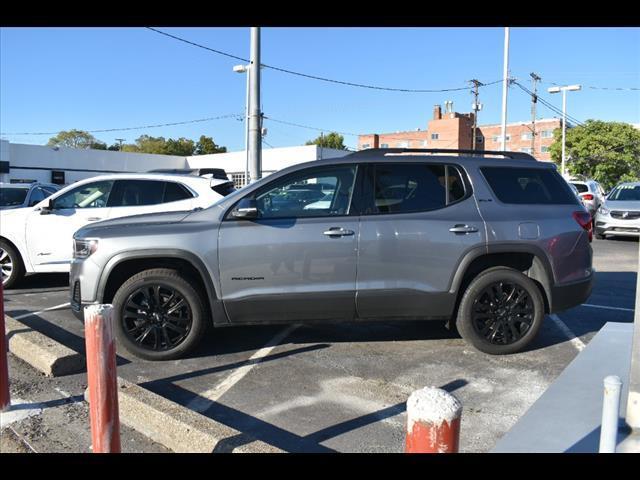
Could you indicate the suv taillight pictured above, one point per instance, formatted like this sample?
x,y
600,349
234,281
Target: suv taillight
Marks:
x,y
585,221
587,196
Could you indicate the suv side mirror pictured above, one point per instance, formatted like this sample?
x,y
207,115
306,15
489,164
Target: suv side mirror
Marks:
x,y
46,210
247,209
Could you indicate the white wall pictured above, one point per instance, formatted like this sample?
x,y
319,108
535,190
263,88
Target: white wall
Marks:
x,y
35,162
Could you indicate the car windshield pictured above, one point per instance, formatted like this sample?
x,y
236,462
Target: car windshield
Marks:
x,y
10,197
625,193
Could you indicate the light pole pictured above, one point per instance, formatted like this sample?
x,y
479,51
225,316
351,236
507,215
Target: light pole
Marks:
x,y
564,90
505,85
245,69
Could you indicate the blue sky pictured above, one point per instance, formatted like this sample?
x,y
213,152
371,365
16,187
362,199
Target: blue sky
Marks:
x,y
55,79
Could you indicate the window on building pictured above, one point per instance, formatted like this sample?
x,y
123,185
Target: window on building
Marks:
x,y
424,143
435,136
366,145
546,134
404,144
526,150
479,139
526,136
544,149
384,145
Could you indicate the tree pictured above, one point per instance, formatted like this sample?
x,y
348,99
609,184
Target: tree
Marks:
x,y
608,152
206,146
76,139
332,140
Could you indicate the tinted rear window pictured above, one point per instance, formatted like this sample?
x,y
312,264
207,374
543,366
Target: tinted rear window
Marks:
x,y
528,186
581,187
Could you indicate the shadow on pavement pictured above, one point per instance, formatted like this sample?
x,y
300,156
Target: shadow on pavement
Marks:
x,y
252,428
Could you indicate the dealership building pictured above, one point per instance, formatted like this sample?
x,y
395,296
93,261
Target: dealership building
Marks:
x,y
28,163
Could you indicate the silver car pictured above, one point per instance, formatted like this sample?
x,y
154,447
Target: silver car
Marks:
x,y
591,192
488,243
619,214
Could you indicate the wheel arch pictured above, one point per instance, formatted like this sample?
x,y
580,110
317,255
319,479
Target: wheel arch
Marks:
x,y
528,259
126,264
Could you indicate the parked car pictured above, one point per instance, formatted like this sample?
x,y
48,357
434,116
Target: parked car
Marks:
x,y
591,192
488,244
20,195
39,238
619,214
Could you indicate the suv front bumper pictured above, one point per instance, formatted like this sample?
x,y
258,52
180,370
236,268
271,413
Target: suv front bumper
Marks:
x,y
82,290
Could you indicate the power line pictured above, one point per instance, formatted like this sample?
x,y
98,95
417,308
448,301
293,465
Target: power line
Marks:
x,y
549,105
199,120
315,77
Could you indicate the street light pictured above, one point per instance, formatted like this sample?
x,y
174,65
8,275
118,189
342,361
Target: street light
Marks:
x,y
245,69
564,90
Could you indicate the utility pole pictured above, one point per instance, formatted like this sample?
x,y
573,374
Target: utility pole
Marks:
x,y
255,116
505,84
534,100
120,140
476,107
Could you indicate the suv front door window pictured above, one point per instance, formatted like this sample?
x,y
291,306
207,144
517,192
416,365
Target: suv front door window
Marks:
x,y
301,249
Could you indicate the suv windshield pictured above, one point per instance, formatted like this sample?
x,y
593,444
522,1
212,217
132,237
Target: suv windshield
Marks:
x,y
10,197
625,193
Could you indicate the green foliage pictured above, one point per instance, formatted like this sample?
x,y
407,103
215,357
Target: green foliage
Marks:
x,y
332,140
206,146
608,152
76,139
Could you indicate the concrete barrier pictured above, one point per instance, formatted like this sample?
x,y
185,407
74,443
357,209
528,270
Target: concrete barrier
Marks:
x,y
41,352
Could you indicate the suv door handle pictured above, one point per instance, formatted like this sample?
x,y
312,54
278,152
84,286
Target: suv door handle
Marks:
x,y
94,219
338,232
463,229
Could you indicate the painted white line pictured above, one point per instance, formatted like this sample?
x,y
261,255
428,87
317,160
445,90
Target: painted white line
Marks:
x,y
57,307
12,416
205,400
22,439
607,308
573,339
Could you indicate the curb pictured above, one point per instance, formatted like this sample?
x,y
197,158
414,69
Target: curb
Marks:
x,y
178,428
41,352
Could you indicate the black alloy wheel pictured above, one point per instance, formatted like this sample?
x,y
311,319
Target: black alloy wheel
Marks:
x,y
156,317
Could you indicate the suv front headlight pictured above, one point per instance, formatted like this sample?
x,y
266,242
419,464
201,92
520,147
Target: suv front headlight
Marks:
x,y
84,247
603,210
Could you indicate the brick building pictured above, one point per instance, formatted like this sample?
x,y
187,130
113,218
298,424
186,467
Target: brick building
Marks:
x,y
454,130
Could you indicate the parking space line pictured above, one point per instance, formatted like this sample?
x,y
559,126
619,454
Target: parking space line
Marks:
x,y
573,339
204,400
607,308
57,307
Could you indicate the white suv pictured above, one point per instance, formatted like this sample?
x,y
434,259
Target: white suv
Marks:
x,y
40,238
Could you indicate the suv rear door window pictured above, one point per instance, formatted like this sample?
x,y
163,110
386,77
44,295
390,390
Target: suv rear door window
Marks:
x,y
528,186
414,187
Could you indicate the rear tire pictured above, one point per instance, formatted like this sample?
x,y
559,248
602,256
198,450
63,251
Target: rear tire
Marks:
x,y
11,265
501,311
154,309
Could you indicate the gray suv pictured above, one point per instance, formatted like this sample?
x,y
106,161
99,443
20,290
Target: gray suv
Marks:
x,y
488,242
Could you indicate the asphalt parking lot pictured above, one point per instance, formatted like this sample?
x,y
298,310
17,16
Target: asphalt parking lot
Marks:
x,y
327,387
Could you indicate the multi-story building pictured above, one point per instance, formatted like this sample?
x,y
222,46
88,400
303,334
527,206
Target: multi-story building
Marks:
x,y
454,130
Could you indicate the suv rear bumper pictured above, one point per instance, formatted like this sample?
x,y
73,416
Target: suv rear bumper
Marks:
x,y
570,294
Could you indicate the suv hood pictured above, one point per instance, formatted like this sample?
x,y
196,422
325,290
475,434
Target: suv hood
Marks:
x,y
623,205
133,221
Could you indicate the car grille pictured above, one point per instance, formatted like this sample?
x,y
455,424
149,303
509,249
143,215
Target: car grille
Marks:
x,y
625,215
75,297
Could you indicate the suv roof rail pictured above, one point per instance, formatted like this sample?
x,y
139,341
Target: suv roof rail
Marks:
x,y
480,153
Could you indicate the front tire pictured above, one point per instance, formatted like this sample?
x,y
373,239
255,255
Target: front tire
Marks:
x,y
159,315
11,265
501,311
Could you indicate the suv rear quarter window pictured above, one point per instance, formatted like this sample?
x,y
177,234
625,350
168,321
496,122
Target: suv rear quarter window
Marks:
x,y
523,186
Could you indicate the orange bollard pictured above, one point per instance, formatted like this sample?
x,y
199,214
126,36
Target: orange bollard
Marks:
x,y
433,422
5,398
102,379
